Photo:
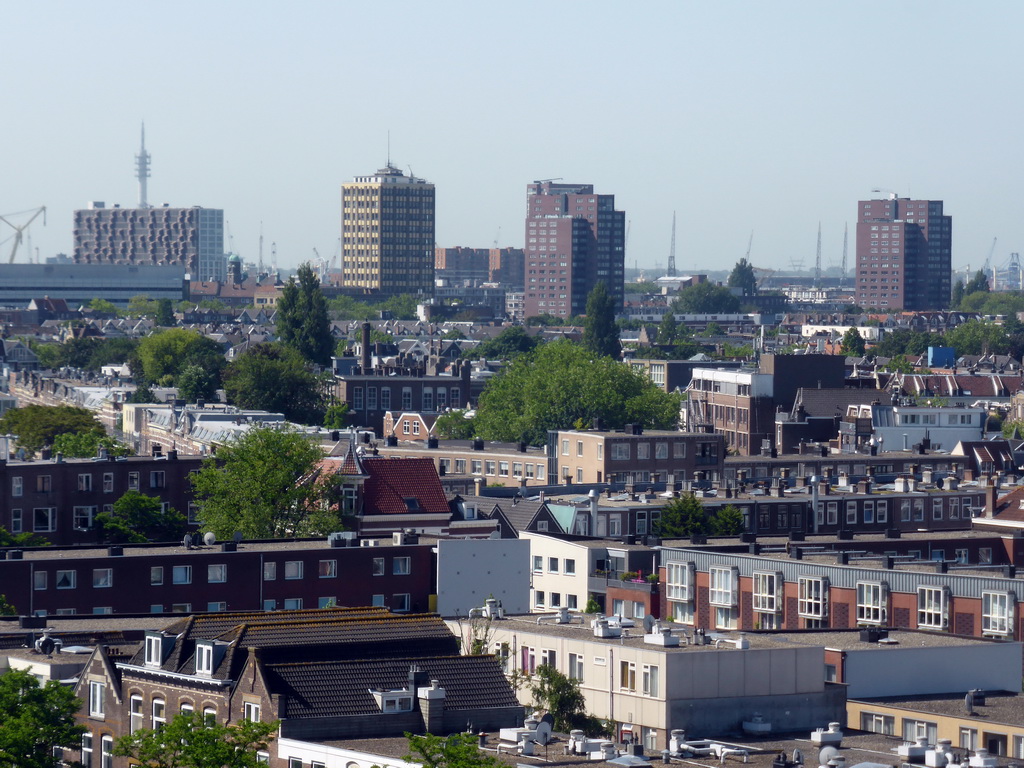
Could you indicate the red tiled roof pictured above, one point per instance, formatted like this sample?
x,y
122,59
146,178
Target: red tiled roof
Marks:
x,y
394,481
1009,508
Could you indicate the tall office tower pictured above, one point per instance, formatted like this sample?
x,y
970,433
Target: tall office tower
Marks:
x,y
188,237
904,254
574,239
387,233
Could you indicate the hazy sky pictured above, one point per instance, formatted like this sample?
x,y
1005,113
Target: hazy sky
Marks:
x,y
740,116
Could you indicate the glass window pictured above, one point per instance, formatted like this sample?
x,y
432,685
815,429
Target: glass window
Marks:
x,y
217,574
97,698
931,607
66,579
328,569
293,569
102,577
995,613
181,574
869,603
269,571
402,566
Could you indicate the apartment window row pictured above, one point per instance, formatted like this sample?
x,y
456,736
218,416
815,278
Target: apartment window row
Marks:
x,y
499,468
568,565
543,600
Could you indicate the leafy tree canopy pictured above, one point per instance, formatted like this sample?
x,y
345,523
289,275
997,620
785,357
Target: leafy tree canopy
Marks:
x,y
165,313
137,518
706,298
564,701
682,518
301,318
977,283
600,333
38,425
507,345
336,416
89,353
986,303
196,383
561,383
261,485
84,445
853,343
904,341
727,521
142,305
456,751
189,741
978,337
165,354
668,330
743,277
6,609
455,426
272,377
35,719
348,308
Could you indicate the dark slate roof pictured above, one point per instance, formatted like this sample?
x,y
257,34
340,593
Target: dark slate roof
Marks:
x,y
521,514
342,688
1010,508
391,482
824,403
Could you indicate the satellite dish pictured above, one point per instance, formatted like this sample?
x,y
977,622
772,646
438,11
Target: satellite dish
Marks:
x,y
237,536
209,539
186,542
798,757
649,622
826,754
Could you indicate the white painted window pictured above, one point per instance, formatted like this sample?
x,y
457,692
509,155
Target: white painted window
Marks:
x,y
931,607
870,609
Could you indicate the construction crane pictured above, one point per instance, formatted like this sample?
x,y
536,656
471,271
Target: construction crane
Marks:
x,y
817,262
987,269
671,271
750,244
842,277
20,229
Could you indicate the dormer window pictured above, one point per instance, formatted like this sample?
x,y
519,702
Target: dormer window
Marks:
x,y
204,658
155,650
393,701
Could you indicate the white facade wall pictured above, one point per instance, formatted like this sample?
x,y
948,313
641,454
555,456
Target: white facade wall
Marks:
x,y
551,578
471,570
904,671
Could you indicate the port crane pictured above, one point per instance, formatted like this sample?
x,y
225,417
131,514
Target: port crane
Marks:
x,y
19,229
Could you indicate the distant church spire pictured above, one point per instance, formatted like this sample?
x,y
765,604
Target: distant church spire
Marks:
x,y
142,170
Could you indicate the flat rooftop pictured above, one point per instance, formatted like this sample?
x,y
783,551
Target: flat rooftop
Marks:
x,y
1003,707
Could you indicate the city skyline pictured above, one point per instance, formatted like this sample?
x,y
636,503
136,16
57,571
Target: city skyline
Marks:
x,y
739,118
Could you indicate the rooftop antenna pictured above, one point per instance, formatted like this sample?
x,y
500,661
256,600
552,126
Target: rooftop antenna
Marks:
x,y
142,169
389,148
671,271
273,257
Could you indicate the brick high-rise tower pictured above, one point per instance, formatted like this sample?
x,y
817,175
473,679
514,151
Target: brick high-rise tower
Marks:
x,y
904,254
574,239
387,233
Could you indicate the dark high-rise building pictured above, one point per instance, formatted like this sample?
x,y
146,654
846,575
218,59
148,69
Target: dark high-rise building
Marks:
x,y
904,254
574,239
387,234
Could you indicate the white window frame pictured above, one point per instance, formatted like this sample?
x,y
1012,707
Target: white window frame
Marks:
x,y
932,607
812,602
870,603
997,613
650,678
97,698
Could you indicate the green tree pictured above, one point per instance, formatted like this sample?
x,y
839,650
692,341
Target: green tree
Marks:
x,y
104,307
196,383
453,334
6,609
853,343
682,518
958,294
562,698
276,378
301,318
336,416
165,313
978,337
977,283
136,518
706,299
142,305
456,751
166,353
190,741
142,394
264,485
668,330
507,345
38,425
899,364
600,333
743,277
84,445
727,521
35,720
561,383
455,426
